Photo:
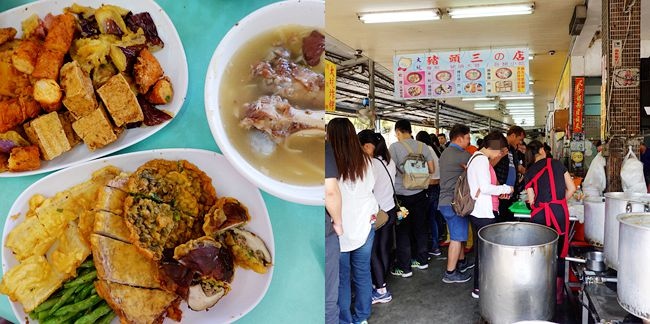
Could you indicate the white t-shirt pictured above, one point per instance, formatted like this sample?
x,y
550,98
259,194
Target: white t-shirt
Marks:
x,y
478,177
383,183
358,206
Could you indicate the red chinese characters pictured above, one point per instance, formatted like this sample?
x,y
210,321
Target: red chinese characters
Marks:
x,y
578,104
454,58
519,56
433,60
476,57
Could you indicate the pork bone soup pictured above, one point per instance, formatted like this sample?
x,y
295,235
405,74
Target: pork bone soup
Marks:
x,y
272,103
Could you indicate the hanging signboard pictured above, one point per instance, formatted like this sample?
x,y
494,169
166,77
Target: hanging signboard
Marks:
x,y
330,86
626,78
578,104
617,55
479,73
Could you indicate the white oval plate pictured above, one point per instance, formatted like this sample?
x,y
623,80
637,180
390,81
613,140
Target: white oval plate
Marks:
x,y
171,57
248,287
307,13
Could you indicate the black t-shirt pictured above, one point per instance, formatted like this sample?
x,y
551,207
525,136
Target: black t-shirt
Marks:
x,y
331,171
543,194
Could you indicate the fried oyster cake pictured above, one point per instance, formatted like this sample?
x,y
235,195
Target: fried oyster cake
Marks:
x,y
166,205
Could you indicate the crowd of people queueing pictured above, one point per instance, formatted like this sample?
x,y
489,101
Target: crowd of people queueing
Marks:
x,y
364,176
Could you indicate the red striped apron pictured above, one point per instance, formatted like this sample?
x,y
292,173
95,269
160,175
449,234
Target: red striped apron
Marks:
x,y
545,207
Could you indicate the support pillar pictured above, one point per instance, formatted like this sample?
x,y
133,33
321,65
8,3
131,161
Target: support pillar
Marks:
x,y
621,24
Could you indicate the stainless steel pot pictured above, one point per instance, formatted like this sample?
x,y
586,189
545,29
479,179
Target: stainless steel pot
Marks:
x,y
618,203
517,277
595,261
595,220
633,263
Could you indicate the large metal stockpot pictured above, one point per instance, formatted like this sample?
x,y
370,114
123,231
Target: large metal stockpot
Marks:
x,y
517,277
633,264
618,203
595,220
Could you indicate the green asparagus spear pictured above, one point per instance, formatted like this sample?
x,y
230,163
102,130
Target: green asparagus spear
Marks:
x,y
82,279
60,319
78,307
106,319
46,304
87,264
96,314
67,295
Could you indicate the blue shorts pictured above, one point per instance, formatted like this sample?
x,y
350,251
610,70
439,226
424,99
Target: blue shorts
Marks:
x,y
457,225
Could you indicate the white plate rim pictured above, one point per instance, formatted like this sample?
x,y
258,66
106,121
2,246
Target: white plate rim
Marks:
x,y
180,76
308,195
176,153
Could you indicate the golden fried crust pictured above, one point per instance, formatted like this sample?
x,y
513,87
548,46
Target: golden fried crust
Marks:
x,y
7,34
137,305
48,64
147,71
150,225
24,158
121,262
59,37
161,93
25,56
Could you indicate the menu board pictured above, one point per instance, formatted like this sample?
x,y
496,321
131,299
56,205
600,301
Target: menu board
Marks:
x,y
478,73
330,86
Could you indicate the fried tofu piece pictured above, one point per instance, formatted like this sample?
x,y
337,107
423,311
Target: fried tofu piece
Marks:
x,y
59,36
47,131
31,282
71,251
48,93
121,262
161,93
137,305
120,101
29,238
10,114
95,129
48,64
111,225
25,56
111,197
79,93
147,71
7,34
24,158
66,121
11,80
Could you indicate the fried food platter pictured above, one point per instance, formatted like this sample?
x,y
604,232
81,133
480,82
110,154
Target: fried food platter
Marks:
x,y
248,287
171,57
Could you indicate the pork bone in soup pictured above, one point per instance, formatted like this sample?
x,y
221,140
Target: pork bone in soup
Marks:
x,y
272,103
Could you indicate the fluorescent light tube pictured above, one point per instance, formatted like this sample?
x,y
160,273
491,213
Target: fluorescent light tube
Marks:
x,y
517,98
491,11
531,82
485,108
399,16
477,98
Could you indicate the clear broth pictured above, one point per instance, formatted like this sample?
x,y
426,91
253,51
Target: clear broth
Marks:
x,y
238,88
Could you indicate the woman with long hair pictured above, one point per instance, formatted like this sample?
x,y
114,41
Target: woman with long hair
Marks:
x,y
384,170
548,184
485,190
433,193
358,210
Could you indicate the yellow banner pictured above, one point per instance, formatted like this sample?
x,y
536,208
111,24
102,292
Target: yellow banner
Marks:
x,y
330,86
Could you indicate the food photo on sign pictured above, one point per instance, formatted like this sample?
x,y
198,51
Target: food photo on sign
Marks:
x,y
166,199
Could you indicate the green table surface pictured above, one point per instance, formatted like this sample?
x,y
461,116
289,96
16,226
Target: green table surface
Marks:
x,y
297,289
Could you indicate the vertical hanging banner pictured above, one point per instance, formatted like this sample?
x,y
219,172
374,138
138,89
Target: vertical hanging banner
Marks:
x,y
578,104
330,86
478,73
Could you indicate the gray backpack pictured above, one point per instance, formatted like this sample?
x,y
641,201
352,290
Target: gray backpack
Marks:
x,y
416,171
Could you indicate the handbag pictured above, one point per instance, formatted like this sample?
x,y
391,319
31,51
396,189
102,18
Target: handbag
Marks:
x,y
380,219
400,209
